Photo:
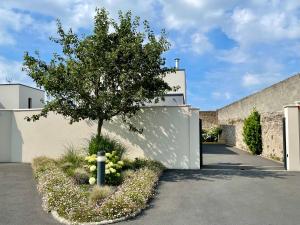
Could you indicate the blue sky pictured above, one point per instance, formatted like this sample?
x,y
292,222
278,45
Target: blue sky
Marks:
x,y
229,48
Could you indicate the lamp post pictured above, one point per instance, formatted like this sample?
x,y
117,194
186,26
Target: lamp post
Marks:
x,y
101,168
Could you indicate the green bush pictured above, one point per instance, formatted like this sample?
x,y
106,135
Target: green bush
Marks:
x,y
98,194
113,167
252,133
106,144
211,135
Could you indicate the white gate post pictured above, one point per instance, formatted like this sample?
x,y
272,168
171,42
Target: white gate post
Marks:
x,y
292,130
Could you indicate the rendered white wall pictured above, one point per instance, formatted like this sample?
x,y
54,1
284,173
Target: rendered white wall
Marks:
x,y
177,79
15,96
5,136
292,117
9,96
171,135
37,97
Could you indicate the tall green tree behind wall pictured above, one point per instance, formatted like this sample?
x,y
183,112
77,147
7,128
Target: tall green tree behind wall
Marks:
x,y
113,71
252,132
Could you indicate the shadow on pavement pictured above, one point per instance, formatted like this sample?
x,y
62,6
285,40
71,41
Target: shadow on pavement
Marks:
x,y
227,174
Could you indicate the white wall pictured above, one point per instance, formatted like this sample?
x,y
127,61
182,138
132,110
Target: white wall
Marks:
x,y
36,95
15,96
9,96
292,129
177,79
171,135
5,136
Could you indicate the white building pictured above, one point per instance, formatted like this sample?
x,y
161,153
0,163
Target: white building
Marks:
x,y
19,96
177,79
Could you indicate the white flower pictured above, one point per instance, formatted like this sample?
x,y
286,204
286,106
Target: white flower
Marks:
x,y
92,180
93,168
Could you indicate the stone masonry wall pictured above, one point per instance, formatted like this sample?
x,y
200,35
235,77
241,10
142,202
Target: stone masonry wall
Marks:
x,y
272,139
269,102
209,119
272,136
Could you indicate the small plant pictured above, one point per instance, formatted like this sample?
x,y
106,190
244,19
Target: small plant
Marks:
x,y
71,160
252,133
138,163
113,167
98,194
81,176
104,143
212,134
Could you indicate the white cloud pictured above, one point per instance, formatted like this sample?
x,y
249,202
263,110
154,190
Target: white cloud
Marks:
x,y
200,44
224,95
250,80
11,69
235,55
12,21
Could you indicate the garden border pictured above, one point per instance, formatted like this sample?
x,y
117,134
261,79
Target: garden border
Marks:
x,y
65,221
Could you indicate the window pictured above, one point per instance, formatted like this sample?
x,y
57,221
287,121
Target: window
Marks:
x,y
29,103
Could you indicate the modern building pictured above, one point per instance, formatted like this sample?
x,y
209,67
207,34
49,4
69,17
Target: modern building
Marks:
x,y
178,80
20,96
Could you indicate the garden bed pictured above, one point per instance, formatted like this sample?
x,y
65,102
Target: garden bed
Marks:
x,y
72,196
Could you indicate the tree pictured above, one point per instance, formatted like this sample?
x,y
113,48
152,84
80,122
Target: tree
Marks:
x,y
114,71
252,132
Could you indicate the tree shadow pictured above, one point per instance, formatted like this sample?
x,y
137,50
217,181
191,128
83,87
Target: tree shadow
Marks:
x,y
164,138
217,174
217,149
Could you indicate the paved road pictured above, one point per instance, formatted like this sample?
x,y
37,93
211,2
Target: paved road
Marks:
x,y
20,203
234,188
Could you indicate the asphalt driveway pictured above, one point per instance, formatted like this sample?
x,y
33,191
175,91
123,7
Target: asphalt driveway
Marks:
x,y
20,203
233,188
239,191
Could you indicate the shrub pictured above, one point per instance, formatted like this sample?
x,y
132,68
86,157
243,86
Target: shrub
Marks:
x,y
252,132
106,144
71,160
98,194
113,167
211,135
133,194
81,176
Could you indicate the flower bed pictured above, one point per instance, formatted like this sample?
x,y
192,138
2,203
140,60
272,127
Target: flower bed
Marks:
x,y
62,194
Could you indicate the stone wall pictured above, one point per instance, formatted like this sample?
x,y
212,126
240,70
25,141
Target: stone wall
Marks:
x,y
271,99
272,139
269,102
209,119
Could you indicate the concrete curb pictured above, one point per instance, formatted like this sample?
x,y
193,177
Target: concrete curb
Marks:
x,y
65,221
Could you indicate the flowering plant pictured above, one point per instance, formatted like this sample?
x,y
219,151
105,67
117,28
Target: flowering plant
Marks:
x,y
113,167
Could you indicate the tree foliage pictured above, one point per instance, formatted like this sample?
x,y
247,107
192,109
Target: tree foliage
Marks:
x,y
252,132
113,71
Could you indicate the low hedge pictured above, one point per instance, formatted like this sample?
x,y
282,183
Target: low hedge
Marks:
x,y
61,194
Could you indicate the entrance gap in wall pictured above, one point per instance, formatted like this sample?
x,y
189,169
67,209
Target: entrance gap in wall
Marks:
x,y
223,157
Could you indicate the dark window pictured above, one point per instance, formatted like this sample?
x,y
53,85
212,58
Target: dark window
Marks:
x,y
29,103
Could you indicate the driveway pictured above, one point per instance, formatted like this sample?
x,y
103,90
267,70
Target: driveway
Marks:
x,y
20,203
234,188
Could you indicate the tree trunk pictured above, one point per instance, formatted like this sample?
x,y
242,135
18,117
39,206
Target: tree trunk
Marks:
x,y
100,123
